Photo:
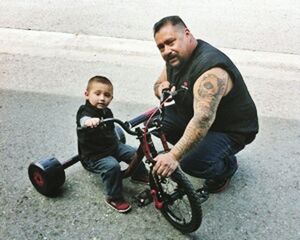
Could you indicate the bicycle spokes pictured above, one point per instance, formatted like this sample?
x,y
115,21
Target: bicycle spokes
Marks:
x,y
177,200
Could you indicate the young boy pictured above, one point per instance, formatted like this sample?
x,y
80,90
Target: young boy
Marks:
x,y
99,148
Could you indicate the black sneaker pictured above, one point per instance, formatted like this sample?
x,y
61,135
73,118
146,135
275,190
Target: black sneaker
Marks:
x,y
216,186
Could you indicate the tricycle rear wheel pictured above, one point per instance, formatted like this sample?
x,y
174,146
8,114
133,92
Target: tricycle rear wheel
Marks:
x,y
47,176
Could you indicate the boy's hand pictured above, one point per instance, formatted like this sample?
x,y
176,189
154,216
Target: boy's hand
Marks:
x,y
92,122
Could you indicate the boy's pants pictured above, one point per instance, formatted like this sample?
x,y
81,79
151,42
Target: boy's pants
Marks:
x,y
110,170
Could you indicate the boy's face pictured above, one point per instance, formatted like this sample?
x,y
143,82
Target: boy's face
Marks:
x,y
99,95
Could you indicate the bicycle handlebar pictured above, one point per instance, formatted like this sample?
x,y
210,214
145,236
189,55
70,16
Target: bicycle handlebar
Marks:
x,y
143,117
135,121
127,125
124,125
167,95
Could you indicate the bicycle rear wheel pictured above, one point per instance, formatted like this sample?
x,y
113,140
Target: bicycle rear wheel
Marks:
x,y
178,201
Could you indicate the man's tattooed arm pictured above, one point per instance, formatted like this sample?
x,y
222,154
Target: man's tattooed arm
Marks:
x,y
208,91
161,83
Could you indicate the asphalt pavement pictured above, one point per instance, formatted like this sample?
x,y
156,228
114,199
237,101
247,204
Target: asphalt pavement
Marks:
x,y
262,201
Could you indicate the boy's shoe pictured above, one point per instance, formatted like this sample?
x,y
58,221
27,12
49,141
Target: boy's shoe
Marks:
x,y
119,204
144,179
216,186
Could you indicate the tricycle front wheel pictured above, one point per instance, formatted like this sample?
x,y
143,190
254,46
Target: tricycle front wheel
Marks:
x,y
177,200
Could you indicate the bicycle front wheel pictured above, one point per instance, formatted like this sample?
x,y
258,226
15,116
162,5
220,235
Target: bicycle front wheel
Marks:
x,y
178,201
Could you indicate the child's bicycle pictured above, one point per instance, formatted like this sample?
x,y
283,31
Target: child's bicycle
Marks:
x,y
175,196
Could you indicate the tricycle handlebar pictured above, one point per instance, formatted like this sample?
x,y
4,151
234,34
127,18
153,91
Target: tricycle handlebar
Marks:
x,y
135,121
125,125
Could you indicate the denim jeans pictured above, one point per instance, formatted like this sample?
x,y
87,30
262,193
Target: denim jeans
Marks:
x,y
211,158
110,170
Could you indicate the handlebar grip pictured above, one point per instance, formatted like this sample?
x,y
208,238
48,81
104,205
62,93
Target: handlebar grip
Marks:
x,y
81,128
165,94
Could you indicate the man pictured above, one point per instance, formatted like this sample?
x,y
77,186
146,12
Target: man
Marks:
x,y
214,116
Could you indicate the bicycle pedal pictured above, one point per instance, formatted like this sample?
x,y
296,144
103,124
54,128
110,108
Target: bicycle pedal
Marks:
x,y
144,198
203,194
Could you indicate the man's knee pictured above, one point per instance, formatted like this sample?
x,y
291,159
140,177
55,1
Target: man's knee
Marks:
x,y
203,169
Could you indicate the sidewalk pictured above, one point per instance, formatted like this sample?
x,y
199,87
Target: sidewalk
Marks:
x,y
95,48
272,78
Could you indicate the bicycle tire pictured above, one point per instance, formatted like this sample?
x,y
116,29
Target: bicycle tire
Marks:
x,y
183,191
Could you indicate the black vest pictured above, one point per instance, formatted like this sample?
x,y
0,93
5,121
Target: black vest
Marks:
x,y
95,143
236,113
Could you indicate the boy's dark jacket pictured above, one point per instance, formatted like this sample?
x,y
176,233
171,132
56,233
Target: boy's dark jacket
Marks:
x,y
95,143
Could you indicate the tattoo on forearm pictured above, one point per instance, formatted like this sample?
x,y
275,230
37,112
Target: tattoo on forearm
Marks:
x,y
209,91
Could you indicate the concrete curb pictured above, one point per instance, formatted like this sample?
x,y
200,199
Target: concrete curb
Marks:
x,y
98,48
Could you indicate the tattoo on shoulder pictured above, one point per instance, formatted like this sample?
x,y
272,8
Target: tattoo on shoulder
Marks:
x,y
208,85
211,84
208,95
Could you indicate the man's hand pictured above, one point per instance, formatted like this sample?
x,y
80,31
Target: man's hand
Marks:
x,y
92,122
165,164
162,86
